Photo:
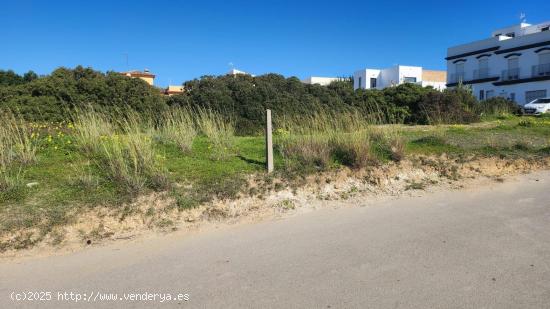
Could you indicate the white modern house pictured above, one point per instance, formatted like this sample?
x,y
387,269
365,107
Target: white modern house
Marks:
x,y
397,75
513,63
323,81
236,72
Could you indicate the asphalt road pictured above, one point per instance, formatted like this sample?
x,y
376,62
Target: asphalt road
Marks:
x,y
487,247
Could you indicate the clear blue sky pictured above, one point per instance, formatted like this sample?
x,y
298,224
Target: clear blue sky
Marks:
x,y
182,40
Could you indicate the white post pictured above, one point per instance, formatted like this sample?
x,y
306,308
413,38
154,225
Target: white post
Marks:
x,y
268,142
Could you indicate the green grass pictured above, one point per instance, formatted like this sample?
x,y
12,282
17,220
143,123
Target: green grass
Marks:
x,y
69,178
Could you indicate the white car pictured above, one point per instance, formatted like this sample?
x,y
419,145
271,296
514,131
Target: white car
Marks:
x,y
537,107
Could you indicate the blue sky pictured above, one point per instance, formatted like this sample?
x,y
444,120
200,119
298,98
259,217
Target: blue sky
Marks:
x,y
182,40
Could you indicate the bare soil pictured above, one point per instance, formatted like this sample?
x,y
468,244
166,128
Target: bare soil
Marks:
x,y
156,214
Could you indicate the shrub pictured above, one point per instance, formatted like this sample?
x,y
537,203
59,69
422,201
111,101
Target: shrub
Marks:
x,y
497,107
451,106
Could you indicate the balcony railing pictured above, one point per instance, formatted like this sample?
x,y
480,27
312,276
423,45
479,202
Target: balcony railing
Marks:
x,y
457,78
541,70
512,74
481,73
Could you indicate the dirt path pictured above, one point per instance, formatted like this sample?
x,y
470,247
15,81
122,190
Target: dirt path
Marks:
x,y
487,246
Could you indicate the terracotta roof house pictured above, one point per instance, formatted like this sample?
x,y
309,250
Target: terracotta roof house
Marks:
x,y
144,75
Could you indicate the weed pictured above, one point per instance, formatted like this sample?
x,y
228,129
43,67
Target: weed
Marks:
x,y
220,132
526,122
178,127
414,185
286,204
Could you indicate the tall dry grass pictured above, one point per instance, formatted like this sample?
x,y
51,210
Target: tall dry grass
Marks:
x,y
321,138
91,128
17,149
178,126
122,146
219,130
390,140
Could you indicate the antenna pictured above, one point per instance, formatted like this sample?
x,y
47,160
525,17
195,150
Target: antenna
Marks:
x,y
522,18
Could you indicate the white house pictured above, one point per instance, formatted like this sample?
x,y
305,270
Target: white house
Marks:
x,y
323,81
236,72
397,75
513,63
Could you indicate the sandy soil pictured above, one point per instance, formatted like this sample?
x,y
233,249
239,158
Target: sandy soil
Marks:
x,y
154,216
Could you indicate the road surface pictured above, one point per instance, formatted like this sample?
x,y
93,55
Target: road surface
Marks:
x,y
485,247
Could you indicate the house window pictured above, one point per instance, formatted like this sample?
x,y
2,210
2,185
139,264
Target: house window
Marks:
x,y
459,73
409,79
483,70
489,94
513,69
359,82
513,97
543,68
482,95
533,95
373,82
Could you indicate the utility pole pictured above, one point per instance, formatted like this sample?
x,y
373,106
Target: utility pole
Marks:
x,y
268,142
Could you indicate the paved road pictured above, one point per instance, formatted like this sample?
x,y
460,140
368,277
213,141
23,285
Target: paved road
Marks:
x,y
483,248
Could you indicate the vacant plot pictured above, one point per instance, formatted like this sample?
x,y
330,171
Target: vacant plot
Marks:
x,y
52,171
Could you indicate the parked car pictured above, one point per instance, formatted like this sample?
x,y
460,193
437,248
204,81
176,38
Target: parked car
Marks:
x,y
537,107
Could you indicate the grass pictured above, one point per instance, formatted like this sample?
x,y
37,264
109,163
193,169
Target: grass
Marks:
x,y
178,127
96,159
220,132
18,149
325,140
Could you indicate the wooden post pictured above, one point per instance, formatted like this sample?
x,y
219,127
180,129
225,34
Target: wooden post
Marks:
x,y
268,142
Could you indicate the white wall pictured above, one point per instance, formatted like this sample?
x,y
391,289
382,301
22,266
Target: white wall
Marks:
x,y
323,81
518,89
365,76
497,63
408,71
436,85
392,76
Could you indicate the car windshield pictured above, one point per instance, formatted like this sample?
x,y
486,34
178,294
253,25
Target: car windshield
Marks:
x,y
538,101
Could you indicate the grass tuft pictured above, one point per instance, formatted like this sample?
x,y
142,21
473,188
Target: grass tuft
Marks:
x,y
220,132
178,127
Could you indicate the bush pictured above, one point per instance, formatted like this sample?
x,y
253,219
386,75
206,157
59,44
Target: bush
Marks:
x,y
52,97
497,107
448,107
241,98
